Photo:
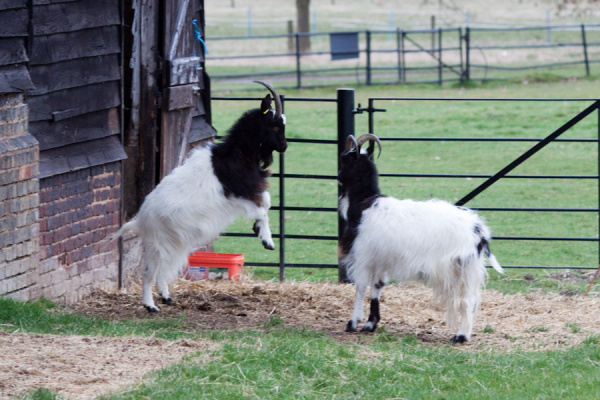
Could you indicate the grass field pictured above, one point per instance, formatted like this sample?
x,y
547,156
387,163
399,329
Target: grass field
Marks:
x,y
409,118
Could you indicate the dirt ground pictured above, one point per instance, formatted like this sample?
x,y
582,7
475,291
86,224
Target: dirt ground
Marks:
x,y
83,367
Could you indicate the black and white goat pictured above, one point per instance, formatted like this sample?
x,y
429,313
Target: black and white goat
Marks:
x,y
431,241
192,205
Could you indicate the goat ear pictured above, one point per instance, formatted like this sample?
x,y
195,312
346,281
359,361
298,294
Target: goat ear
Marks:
x,y
265,104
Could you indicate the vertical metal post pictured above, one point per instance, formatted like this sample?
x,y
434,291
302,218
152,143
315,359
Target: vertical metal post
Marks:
x,y
460,46
403,57
298,73
585,52
371,119
598,128
368,57
282,208
467,53
399,51
441,65
345,125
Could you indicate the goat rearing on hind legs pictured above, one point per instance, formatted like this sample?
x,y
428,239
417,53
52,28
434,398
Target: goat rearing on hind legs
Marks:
x,y
217,183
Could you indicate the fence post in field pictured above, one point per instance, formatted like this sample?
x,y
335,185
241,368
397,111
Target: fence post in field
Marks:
x,y
290,31
441,66
467,53
585,52
399,50
345,128
403,58
460,46
282,208
368,33
298,73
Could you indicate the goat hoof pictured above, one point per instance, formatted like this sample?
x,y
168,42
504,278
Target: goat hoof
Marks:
x,y
268,245
369,327
458,339
168,301
255,228
350,327
151,309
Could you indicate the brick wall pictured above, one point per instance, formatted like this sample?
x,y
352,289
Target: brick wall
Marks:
x,y
79,210
19,158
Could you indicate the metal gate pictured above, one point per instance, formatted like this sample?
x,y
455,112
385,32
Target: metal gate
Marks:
x,y
346,112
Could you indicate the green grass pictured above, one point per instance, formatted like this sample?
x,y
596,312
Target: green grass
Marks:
x,y
43,316
285,363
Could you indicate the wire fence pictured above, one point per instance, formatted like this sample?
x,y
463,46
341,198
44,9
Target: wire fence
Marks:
x,y
399,56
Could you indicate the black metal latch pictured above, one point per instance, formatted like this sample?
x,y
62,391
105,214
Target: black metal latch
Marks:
x,y
370,110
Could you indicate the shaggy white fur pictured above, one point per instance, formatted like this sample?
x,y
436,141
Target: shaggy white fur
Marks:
x,y
432,241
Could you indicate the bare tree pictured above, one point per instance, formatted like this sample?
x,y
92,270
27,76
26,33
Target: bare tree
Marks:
x,y
303,23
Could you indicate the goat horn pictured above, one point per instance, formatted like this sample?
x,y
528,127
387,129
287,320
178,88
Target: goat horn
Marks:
x,y
351,143
371,138
278,106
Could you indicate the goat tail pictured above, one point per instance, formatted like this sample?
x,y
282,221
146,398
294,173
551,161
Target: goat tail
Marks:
x,y
131,226
491,258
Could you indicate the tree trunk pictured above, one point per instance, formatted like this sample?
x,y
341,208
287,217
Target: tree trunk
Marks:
x,y
303,14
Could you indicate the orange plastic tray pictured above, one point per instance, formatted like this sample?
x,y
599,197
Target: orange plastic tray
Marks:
x,y
201,262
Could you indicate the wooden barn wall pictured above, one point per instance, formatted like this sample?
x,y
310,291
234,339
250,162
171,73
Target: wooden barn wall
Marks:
x,y
75,65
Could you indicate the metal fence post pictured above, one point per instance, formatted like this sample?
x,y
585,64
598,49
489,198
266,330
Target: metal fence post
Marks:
x,y
441,65
585,52
467,53
403,57
345,125
460,46
368,57
399,50
282,208
298,73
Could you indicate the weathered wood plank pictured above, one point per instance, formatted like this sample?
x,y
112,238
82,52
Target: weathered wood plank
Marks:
x,y
96,125
72,102
178,97
12,51
11,4
175,129
68,46
83,14
200,130
43,2
75,73
183,71
14,79
80,155
14,23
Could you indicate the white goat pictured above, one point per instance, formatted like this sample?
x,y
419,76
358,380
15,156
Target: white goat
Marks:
x,y
192,205
431,241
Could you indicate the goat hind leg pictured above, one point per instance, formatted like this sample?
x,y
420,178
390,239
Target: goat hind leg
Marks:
x,y
374,317
163,289
147,280
358,313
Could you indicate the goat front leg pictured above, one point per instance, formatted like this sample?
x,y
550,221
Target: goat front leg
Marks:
x,y
261,224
